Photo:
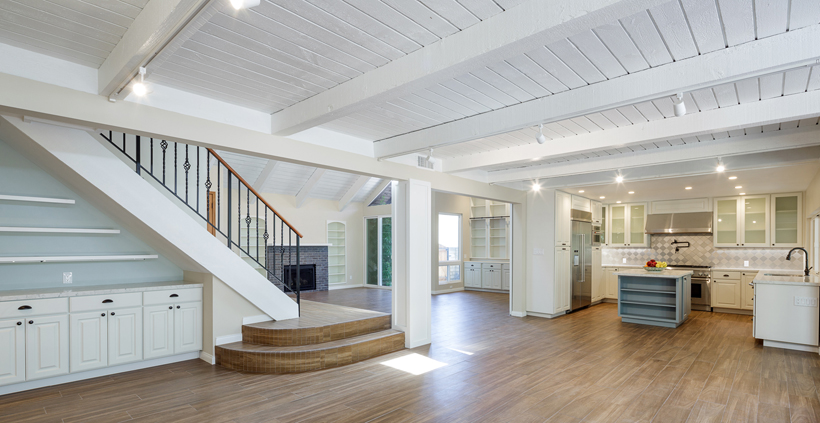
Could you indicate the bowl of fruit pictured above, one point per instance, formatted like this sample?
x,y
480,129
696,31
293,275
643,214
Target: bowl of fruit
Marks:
x,y
655,266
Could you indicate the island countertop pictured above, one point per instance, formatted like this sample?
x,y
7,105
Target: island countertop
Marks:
x,y
799,280
78,291
647,274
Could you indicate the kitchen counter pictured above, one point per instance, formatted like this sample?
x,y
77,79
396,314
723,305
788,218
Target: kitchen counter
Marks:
x,y
654,298
62,292
647,274
799,280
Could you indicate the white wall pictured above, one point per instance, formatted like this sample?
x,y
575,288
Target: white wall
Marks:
x,y
454,204
540,229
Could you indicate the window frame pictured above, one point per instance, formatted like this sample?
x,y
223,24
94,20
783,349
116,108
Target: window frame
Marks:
x,y
448,263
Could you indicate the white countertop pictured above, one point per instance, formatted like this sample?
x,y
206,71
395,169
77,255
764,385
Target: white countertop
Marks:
x,y
647,274
77,291
799,280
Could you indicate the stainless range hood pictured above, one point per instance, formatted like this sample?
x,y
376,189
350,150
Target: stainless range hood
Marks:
x,y
679,223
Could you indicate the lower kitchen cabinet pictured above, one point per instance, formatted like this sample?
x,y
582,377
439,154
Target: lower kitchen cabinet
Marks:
x,y
46,346
505,278
611,283
187,327
159,331
12,351
89,340
491,278
563,277
472,275
726,293
483,275
598,278
125,336
748,290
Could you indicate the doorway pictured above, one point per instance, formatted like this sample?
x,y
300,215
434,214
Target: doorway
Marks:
x,y
378,251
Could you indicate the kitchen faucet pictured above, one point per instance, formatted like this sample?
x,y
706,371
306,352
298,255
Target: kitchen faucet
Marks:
x,y
805,258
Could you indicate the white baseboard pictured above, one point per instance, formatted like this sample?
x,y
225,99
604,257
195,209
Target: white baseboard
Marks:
x,y
208,358
497,291
256,319
547,315
343,286
447,291
732,311
790,346
227,339
106,371
518,313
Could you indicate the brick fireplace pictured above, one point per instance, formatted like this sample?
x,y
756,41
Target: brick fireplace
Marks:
x,y
310,255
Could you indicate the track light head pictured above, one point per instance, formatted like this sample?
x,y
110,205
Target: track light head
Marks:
x,y
540,137
138,88
244,4
678,105
430,159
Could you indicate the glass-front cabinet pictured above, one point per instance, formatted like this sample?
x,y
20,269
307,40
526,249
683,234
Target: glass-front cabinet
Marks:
x,y
742,221
625,225
787,216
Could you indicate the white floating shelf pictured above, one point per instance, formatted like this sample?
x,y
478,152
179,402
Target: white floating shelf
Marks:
x,y
69,259
58,230
37,199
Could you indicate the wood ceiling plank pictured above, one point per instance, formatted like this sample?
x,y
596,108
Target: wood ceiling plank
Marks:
x,y
631,113
528,67
430,112
804,13
68,46
424,103
503,85
423,119
558,69
119,7
796,80
738,21
771,86
454,12
522,81
586,123
726,95
649,111
704,19
737,133
646,37
616,117
772,17
559,129
101,33
615,37
672,23
576,61
594,49
792,124
457,105
394,19
487,88
482,9
602,121
770,127
705,99
748,90
573,127
814,78
28,43
666,107
423,16
34,26
97,12
172,79
472,94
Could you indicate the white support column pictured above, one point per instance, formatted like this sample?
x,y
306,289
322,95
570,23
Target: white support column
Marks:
x,y
518,284
412,215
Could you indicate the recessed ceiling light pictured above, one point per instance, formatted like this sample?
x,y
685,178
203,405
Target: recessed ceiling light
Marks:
x,y
602,197
631,192
618,202
738,187
732,178
721,168
688,187
581,191
743,193
536,187
619,179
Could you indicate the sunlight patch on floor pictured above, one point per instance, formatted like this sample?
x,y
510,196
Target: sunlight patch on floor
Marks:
x,y
414,364
460,351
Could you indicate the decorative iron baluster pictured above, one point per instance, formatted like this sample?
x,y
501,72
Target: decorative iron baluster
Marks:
x,y
176,171
123,144
257,227
290,259
282,250
218,194
208,188
298,275
186,166
265,236
152,155
229,211
197,179
248,219
139,150
164,146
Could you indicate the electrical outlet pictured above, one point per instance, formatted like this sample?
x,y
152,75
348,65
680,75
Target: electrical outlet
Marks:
x,y
624,261
67,277
538,251
805,301
745,263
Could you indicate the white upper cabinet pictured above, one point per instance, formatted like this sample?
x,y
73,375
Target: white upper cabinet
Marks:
x,y
626,225
563,222
597,212
787,220
741,221
581,203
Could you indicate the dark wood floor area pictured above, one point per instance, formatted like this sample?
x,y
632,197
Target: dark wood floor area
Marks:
x,y
587,366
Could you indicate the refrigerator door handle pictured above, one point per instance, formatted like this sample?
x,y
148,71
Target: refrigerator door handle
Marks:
x,y
583,258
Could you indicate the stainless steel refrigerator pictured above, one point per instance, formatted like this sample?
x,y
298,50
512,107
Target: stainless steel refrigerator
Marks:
x,y
581,257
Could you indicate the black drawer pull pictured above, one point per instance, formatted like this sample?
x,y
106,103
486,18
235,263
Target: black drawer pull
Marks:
x,y
174,295
102,315
112,313
24,308
177,306
19,323
31,322
107,301
170,307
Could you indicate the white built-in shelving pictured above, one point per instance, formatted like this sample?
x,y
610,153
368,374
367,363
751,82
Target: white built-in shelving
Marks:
x,y
489,224
336,252
15,229
36,199
76,259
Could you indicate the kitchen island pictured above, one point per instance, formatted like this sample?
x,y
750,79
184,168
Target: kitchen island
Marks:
x,y
786,311
654,298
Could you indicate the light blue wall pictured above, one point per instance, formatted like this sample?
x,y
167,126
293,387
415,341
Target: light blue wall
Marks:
x,y
19,176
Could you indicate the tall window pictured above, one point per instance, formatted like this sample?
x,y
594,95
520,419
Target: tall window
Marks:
x,y
378,234
815,243
449,248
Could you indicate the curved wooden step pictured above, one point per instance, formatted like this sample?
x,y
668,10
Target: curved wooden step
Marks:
x,y
319,323
253,358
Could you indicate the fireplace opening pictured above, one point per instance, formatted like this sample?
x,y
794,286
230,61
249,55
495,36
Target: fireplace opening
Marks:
x,y
308,277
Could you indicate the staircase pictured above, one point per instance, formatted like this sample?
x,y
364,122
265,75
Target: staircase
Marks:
x,y
325,336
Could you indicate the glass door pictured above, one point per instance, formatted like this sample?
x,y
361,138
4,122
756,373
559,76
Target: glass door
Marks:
x,y
617,223
604,240
637,224
787,213
755,221
726,223
378,235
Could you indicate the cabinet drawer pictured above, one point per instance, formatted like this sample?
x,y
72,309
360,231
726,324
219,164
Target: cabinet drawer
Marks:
x,y
491,266
472,265
105,302
23,308
725,275
172,296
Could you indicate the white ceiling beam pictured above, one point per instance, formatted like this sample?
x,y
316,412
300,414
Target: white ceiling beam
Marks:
x,y
530,25
376,191
748,144
270,166
777,53
302,196
154,28
357,186
778,109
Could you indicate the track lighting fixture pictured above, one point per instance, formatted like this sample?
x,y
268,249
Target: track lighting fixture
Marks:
x,y
244,4
540,137
619,179
138,88
678,105
720,167
432,160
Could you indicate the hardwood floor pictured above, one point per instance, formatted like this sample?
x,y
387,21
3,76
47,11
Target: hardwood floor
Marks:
x,y
586,366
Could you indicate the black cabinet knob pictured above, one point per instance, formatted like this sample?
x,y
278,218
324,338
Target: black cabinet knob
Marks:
x,y
31,322
19,323
112,313
170,307
102,315
177,306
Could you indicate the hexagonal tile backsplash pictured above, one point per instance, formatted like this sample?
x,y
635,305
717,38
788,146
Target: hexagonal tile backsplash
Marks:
x,y
702,252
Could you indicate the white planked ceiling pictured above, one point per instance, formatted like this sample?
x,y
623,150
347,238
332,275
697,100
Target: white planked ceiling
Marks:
x,y
673,31
83,32
284,51
743,92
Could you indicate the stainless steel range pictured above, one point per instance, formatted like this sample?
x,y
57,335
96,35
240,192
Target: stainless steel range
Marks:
x,y
701,285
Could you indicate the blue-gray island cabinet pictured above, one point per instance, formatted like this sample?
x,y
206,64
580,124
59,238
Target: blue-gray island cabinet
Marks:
x,y
654,298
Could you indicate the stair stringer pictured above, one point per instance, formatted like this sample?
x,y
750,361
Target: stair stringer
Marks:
x,y
93,171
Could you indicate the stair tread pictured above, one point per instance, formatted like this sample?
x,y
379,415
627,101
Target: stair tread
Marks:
x,y
316,314
248,347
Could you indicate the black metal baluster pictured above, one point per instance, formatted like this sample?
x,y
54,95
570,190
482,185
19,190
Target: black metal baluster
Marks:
x,y
139,149
282,251
176,171
123,145
290,258
238,213
186,166
298,276
265,236
229,210
164,146
273,265
208,188
218,194
197,179
257,227
152,156
248,218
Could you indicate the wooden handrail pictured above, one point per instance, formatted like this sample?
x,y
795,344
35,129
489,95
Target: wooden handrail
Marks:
x,y
250,187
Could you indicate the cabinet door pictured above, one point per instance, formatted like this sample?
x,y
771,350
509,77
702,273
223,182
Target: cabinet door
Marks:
x,y
787,220
748,290
612,284
46,346
617,225
562,279
597,275
496,278
726,293
12,351
505,280
124,336
88,341
637,225
727,222
187,327
563,223
158,327
596,212
755,221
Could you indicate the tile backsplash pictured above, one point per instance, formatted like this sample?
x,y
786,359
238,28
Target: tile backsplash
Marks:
x,y
702,252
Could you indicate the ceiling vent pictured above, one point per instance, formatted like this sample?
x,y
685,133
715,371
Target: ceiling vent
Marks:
x,y
424,163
